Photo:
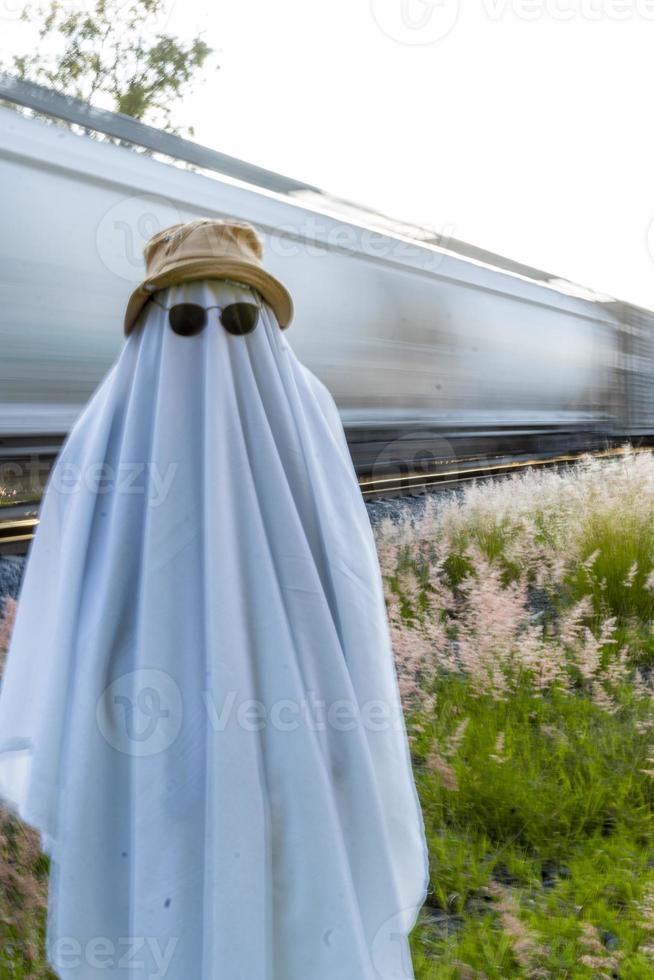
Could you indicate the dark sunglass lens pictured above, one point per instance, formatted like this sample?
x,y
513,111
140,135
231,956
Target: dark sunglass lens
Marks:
x,y
239,318
187,319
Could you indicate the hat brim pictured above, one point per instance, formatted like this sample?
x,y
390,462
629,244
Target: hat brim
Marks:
x,y
272,290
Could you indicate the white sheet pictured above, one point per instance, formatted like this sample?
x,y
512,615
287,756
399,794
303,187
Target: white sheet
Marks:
x,y
222,556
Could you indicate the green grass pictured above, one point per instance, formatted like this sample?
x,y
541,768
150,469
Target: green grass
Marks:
x,y
538,800
562,819
23,902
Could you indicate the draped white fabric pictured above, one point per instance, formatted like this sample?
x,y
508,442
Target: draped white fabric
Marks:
x,y
200,710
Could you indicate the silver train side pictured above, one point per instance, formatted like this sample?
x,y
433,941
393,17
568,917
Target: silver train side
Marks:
x,y
429,355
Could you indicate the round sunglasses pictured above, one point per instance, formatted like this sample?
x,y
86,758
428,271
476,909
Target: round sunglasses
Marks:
x,y
189,319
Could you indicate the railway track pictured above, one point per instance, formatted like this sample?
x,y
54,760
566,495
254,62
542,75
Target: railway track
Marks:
x,y
454,473
18,522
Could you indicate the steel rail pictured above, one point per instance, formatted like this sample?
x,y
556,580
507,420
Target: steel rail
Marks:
x,y
420,481
17,530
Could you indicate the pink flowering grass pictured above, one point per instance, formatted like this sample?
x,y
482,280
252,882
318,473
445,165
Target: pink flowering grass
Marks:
x,y
521,616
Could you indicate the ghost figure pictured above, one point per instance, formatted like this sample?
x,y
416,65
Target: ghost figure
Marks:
x,y
200,711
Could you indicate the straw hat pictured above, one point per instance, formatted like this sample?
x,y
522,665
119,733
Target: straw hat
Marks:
x,y
207,248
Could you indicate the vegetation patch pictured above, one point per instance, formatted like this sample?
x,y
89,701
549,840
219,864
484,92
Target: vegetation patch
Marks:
x,y
521,615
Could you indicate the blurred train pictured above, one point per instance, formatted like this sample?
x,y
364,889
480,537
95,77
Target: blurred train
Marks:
x,y
431,354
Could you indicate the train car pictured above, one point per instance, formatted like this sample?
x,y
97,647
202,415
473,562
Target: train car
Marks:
x,y
431,355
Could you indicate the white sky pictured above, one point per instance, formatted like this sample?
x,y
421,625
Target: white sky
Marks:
x,y
522,126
